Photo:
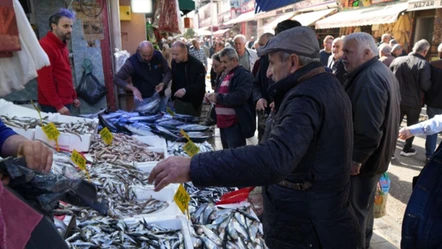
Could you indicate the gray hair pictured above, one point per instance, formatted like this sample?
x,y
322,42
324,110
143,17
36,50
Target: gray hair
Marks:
x,y
216,56
421,46
385,49
230,53
267,36
385,36
144,44
303,60
365,41
439,48
339,39
240,36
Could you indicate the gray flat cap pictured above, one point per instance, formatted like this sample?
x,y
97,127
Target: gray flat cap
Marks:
x,y
299,40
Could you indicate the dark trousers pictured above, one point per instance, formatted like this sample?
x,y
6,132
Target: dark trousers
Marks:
x,y
362,192
48,108
431,141
182,107
232,137
412,114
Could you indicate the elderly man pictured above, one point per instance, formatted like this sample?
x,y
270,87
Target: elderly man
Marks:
x,y
385,54
414,75
374,93
198,52
149,72
235,113
325,53
188,81
385,39
335,62
397,50
247,57
304,159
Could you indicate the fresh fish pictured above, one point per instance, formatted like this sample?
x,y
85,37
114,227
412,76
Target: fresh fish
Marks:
x,y
148,105
193,127
148,119
138,129
105,123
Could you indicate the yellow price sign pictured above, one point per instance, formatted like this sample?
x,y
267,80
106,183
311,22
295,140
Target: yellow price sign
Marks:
x,y
107,136
191,149
182,199
80,161
168,110
51,131
185,134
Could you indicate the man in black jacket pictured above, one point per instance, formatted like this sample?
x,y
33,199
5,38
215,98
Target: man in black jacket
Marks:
x,y
375,97
149,72
433,100
235,113
414,75
188,81
303,161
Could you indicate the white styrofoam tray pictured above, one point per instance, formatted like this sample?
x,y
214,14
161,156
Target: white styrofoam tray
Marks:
x,y
152,141
166,194
12,110
68,141
169,223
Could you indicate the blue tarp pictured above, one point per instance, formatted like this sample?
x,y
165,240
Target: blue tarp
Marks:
x,y
267,5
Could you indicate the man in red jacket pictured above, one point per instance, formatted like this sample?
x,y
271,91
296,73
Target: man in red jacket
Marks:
x,y
56,91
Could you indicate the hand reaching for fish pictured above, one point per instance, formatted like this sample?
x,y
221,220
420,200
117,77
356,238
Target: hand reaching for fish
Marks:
x,y
180,93
38,156
172,170
136,93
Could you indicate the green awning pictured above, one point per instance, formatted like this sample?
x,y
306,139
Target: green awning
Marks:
x,y
187,5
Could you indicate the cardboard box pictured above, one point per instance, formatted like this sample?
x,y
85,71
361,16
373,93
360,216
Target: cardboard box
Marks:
x,y
68,141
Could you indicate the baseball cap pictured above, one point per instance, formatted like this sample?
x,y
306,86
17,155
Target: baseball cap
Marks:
x,y
299,40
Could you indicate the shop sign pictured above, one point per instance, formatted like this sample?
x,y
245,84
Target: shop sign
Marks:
x,y
423,5
224,17
247,7
311,3
349,4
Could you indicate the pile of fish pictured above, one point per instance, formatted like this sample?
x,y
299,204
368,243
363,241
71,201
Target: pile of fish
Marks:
x,y
115,234
22,122
200,196
124,150
161,124
79,127
215,227
176,149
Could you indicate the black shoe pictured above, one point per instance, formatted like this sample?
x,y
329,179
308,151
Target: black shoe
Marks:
x,y
410,152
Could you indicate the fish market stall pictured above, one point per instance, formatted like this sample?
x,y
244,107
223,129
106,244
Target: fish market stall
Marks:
x,y
132,214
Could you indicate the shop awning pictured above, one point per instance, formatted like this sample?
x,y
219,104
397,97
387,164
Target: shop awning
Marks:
x,y
362,17
267,5
249,16
269,27
310,18
414,5
203,31
220,32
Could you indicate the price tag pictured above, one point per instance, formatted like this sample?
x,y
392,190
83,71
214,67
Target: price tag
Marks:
x,y
185,134
182,199
80,161
191,149
107,136
51,131
168,110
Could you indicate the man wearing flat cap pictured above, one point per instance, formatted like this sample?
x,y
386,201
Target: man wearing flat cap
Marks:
x,y
304,159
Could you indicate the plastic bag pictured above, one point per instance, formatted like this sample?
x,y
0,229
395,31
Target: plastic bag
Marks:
x,y
43,191
380,199
90,89
148,105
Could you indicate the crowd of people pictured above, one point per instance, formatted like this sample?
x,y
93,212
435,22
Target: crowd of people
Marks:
x,y
328,123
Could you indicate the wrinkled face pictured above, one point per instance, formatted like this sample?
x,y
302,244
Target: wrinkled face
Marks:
x,y
328,44
217,66
278,69
146,53
179,54
337,49
352,56
63,29
397,52
240,46
228,64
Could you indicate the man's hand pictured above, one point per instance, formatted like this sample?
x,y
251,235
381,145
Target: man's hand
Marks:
x,y
272,106
4,179
211,97
37,155
404,133
159,87
180,93
64,111
261,105
137,93
77,103
172,170
355,168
